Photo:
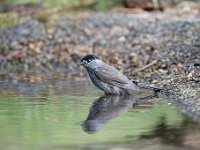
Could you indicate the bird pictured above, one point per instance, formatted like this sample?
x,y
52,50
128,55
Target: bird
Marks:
x,y
110,80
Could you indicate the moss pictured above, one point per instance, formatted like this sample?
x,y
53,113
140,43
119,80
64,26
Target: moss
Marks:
x,y
43,18
15,2
105,4
4,50
100,4
8,20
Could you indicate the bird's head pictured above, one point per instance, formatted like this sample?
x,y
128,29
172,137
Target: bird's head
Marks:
x,y
91,62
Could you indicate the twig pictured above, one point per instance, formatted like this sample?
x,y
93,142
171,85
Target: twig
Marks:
x,y
144,67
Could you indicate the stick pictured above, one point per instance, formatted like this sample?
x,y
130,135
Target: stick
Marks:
x,y
145,67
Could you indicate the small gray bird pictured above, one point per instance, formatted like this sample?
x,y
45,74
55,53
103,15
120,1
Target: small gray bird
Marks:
x,y
110,80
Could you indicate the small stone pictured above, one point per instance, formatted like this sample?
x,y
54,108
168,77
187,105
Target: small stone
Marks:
x,y
122,39
37,50
198,100
190,75
31,46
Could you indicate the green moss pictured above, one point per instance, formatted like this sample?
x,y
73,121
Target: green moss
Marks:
x,y
14,2
105,4
8,20
100,4
43,18
4,50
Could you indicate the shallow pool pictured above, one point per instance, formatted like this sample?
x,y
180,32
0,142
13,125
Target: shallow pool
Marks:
x,y
72,114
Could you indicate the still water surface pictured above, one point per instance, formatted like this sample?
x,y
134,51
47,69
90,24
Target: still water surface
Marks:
x,y
72,114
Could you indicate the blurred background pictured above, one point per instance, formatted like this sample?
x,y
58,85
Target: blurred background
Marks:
x,y
45,36
46,99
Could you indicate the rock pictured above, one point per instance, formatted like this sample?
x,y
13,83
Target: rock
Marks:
x,y
151,4
144,4
31,46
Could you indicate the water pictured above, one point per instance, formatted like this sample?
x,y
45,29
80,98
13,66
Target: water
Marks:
x,y
73,114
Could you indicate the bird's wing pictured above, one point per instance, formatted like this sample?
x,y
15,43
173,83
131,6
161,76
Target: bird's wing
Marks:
x,y
110,75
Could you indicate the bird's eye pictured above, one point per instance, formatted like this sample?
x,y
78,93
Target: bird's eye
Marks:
x,y
88,60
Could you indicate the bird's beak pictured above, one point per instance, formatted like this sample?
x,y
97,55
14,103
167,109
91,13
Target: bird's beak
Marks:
x,y
82,63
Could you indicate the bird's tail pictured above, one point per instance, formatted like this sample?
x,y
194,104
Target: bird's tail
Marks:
x,y
148,87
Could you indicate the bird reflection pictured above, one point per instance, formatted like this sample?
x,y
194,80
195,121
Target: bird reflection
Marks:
x,y
107,108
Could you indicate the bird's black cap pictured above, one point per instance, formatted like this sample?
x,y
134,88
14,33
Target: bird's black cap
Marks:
x,y
89,57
